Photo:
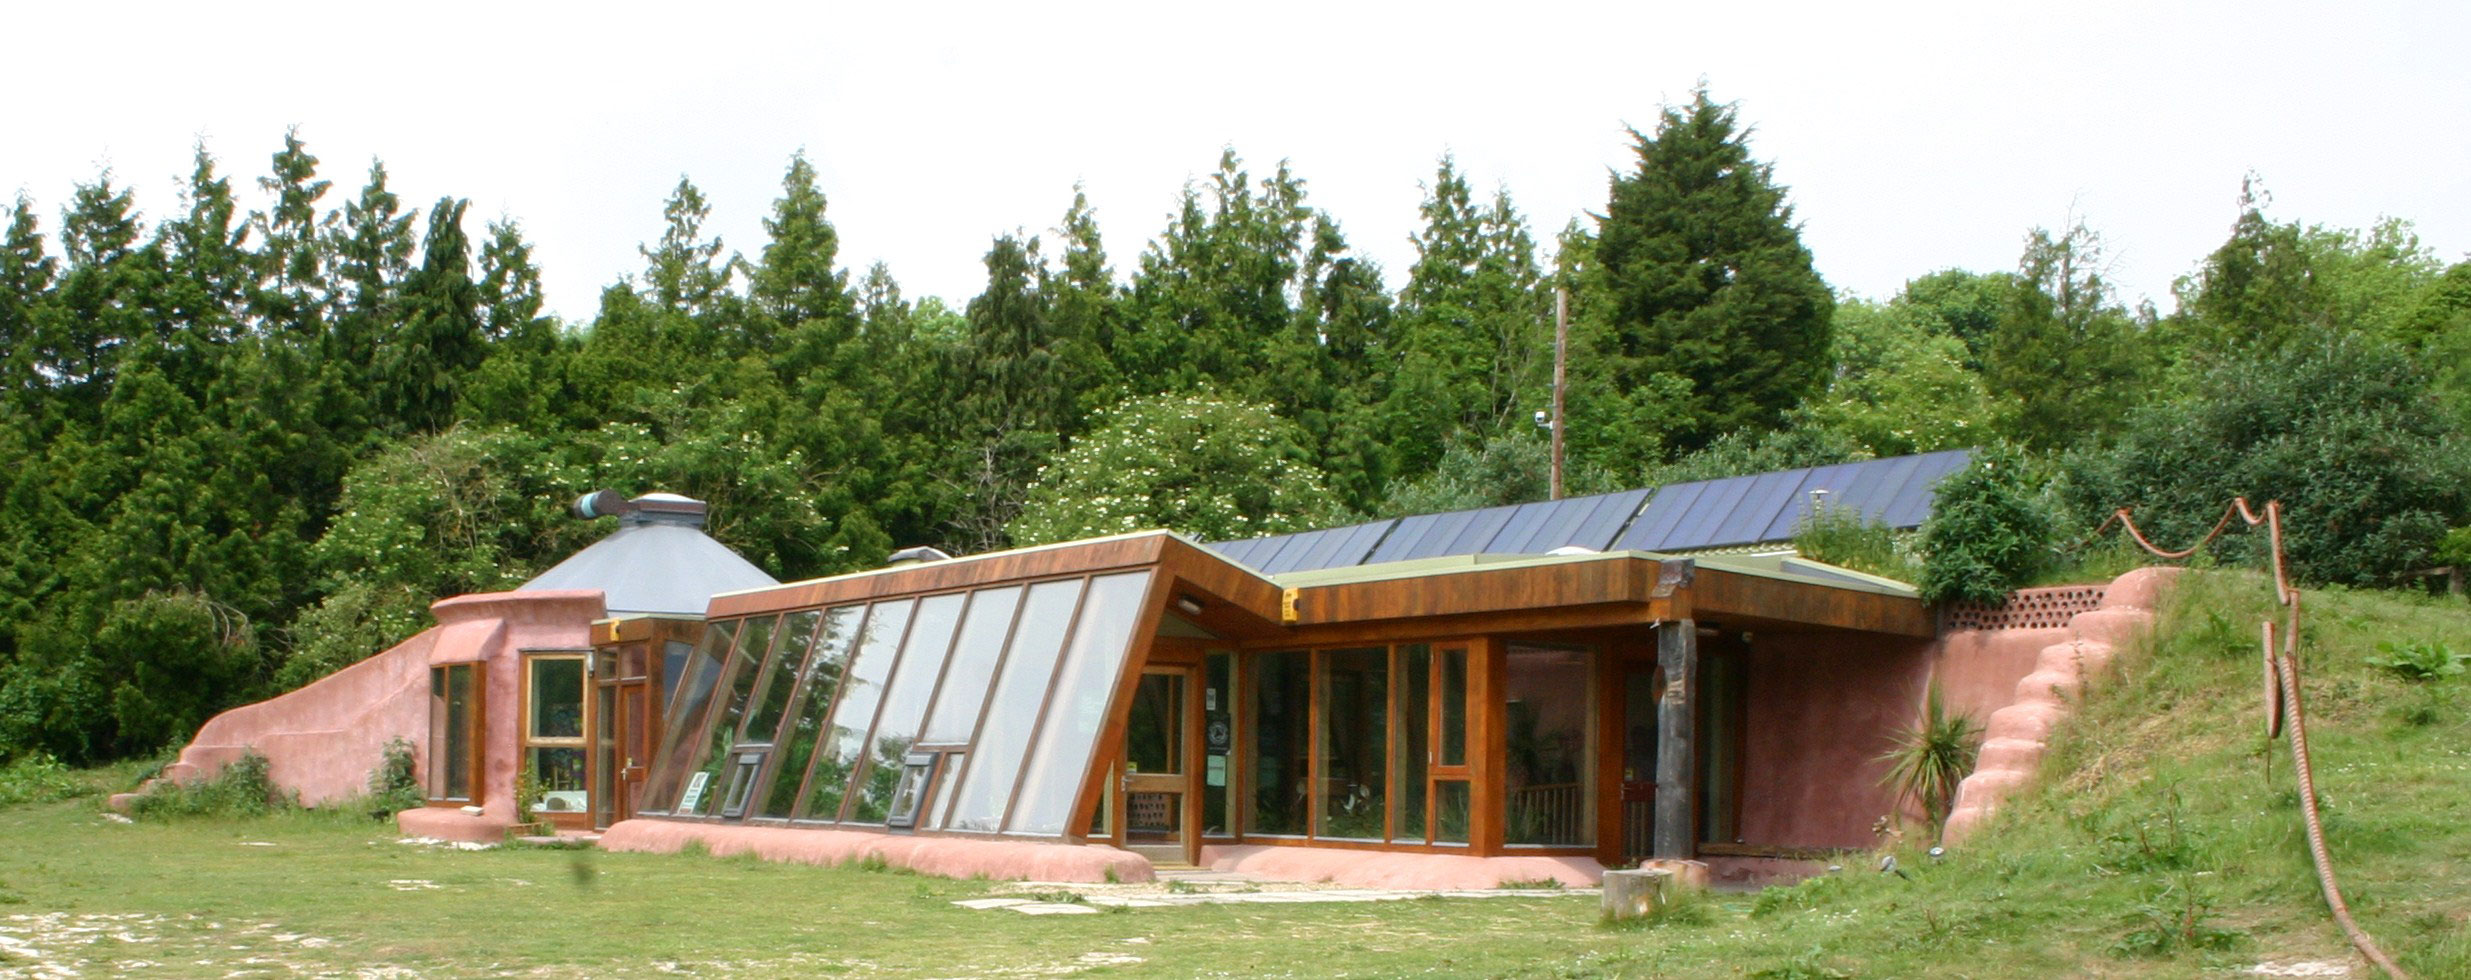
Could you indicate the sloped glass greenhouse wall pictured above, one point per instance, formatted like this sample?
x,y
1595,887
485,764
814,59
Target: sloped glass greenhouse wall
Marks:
x,y
1012,684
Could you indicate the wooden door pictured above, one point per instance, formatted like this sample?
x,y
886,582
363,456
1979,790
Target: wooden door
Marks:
x,y
1160,757
635,748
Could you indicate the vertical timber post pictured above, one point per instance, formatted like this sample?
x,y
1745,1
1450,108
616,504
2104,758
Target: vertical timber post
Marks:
x,y
1561,360
1677,651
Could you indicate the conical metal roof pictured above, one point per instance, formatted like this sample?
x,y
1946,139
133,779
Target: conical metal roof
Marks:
x,y
656,562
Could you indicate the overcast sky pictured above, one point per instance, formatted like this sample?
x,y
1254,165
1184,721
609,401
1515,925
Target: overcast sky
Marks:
x,y
1913,137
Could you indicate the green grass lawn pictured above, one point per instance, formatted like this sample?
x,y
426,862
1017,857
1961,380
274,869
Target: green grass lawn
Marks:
x,y
2164,842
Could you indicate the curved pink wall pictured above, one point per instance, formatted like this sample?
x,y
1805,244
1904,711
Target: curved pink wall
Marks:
x,y
2063,661
323,740
951,857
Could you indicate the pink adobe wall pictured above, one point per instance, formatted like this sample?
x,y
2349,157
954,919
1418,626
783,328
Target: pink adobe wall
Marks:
x,y
323,740
1821,707
2017,732
951,857
1398,869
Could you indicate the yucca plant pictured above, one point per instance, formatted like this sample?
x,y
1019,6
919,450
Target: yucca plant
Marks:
x,y
1930,758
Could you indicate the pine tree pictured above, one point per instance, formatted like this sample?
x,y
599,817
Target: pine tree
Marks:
x,y
290,299
439,339
2064,361
26,276
687,275
797,287
1707,279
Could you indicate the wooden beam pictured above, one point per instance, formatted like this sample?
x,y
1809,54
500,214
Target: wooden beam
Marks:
x,y
1677,651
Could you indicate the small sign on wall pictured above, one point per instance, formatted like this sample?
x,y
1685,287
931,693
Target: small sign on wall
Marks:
x,y
1216,774
694,792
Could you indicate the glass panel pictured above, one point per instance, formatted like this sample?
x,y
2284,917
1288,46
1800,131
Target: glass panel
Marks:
x,y
557,697
1153,735
1548,790
763,716
939,790
813,701
905,706
879,645
1454,707
1355,724
915,772
674,657
1283,688
1450,808
1719,724
1029,665
1217,740
605,756
451,716
973,665
702,794
1084,689
559,769
700,670
1414,712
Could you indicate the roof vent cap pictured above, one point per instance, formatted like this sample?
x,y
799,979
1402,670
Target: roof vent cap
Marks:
x,y
651,508
917,555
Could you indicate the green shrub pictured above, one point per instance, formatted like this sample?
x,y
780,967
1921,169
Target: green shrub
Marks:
x,y
1988,534
1840,536
244,788
2418,662
392,785
2342,429
39,778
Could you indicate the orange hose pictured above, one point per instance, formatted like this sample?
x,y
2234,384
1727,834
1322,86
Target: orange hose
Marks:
x,y
2286,665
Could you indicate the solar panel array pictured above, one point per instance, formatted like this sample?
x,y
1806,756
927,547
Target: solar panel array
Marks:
x,y
1731,512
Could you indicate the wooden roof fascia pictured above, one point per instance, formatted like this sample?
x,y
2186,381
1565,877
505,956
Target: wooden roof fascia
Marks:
x,y
1078,558
1732,596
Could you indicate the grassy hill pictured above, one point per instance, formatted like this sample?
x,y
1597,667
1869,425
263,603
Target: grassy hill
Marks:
x,y
2165,837
2164,840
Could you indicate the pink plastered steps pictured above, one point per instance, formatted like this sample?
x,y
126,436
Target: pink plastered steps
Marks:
x,y
2018,734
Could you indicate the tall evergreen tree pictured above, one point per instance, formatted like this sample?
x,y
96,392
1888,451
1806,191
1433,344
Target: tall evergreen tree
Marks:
x,y
1707,278
290,299
440,338
798,288
2064,361
26,275
687,274
1470,337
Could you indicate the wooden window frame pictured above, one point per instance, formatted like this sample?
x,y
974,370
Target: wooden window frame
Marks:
x,y
526,741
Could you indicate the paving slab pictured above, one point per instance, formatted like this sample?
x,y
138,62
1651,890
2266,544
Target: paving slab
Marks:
x,y
1053,908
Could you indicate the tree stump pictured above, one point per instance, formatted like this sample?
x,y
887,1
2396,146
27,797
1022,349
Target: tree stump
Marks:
x,y
1637,894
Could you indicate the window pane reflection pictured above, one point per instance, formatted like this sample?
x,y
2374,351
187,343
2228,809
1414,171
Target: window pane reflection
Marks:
x,y
1282,729
1029,664
879,645
1355,720
1548,792
806,717
690,687
1084,689
905,704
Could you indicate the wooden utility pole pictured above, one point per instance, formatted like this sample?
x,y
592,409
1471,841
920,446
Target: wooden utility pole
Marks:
x,y
1561,362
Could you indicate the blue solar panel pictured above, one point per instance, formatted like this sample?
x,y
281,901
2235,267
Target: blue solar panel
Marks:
x,y
1911,503
1730,512
1334,548
1588,522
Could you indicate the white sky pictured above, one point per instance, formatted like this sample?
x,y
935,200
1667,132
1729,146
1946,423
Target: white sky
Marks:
x,y
1914,138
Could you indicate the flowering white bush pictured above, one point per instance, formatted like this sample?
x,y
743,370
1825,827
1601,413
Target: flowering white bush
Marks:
x,y
1208,467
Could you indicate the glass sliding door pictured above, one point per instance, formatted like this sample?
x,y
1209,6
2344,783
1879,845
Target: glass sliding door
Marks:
x,y
1354,723
1281,779
1549,781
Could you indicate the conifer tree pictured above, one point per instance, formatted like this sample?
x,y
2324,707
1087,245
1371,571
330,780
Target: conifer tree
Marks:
x,y
798,287
1707,280
439,339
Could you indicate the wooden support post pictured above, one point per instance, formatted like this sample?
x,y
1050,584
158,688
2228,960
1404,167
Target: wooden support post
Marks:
x,y
1677,651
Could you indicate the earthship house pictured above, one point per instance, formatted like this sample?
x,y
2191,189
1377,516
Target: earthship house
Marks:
x,y
1514,693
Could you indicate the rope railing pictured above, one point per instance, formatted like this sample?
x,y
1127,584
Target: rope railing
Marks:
x,y
2282,706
